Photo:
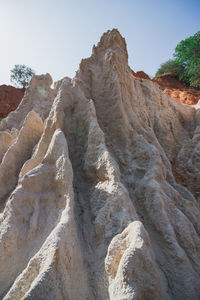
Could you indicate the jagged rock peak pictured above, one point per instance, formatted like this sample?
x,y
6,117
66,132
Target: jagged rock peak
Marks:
x,y
112,39
41,80
109,56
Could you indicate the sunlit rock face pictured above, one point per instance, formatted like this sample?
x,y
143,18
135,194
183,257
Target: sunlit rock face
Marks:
x,y
99,183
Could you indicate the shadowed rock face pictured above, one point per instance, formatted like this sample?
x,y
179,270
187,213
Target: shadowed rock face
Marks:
x,y
101,199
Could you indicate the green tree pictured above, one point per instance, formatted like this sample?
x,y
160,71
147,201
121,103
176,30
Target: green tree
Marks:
x,y
169,67
21,75
187,54
186,62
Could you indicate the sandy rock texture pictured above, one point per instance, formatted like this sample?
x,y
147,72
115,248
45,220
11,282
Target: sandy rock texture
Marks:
x,y
99,187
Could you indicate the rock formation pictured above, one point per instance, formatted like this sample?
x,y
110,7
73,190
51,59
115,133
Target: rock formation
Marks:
x,y
10,97
99,187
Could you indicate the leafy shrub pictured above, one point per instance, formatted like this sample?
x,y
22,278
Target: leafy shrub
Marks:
x,y
169,67
187,54
186,62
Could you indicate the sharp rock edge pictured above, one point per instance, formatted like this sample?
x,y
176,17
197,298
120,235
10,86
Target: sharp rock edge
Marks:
x,y
99,187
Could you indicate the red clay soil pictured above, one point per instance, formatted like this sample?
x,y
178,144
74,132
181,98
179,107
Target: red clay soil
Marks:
x,y
172,86
141,75
10,98
177,90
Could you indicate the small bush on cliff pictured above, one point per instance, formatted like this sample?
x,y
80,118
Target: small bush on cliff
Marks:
x,y
21,75
186,62
170,67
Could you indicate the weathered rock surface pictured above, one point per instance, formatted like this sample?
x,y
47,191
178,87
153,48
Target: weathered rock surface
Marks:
x,y
100,199
10,97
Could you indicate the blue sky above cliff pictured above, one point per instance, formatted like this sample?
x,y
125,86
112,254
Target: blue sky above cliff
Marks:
x,y
53,36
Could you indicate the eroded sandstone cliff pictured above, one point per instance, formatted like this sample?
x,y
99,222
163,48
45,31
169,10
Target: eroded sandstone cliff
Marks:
x,y
99,187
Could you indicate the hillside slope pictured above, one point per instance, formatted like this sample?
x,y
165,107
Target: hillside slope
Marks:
x,y
172,87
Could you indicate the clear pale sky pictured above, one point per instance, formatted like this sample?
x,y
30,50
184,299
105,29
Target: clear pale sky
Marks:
x,y
53,36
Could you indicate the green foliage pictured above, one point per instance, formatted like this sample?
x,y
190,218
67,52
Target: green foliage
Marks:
x,y
169,67
187,54
1,119
186,62
21,75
